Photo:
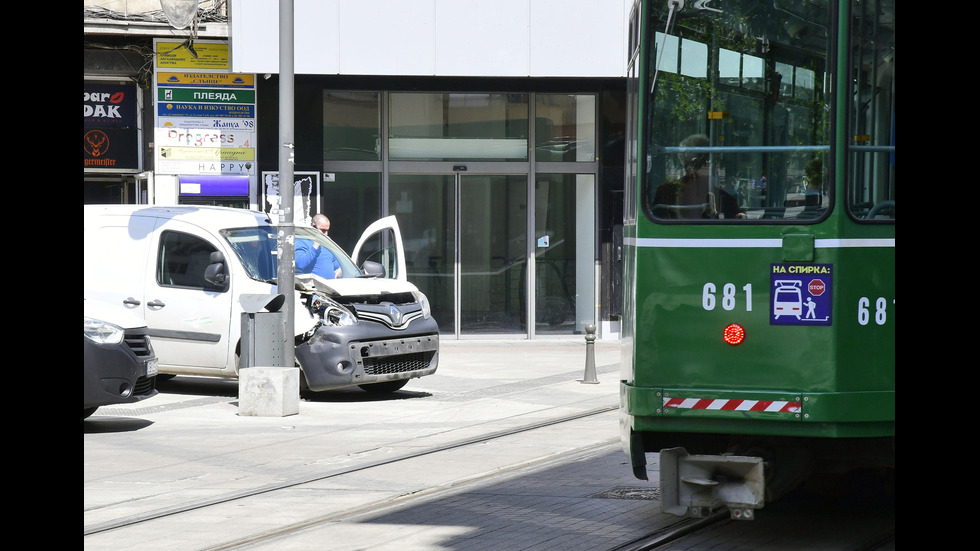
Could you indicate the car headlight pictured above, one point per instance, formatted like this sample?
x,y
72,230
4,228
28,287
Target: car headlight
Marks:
x,y
102,332
331,312
339,316
424,303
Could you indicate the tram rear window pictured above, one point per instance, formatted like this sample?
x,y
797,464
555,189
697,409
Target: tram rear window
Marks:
x,y
739,124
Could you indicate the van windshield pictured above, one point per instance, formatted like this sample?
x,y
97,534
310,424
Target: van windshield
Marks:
x,y
256,248
346,264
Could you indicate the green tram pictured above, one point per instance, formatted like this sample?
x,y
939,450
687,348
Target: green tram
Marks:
x,y
758,330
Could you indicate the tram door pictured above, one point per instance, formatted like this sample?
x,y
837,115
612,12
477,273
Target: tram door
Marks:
x,y
466,248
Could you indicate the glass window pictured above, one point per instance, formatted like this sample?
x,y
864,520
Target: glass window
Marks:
x,y
182,260
739,124
871,156
256,248
458,126
565,127
310,234
564,252
351,126
352,201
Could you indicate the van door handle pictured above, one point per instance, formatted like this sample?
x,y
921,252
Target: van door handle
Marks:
x,y
154,303
131,300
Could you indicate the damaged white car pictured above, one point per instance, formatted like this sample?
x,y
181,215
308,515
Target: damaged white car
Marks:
x,y
185,270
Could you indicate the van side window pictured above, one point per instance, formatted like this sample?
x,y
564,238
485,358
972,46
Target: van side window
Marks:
x,y
182,259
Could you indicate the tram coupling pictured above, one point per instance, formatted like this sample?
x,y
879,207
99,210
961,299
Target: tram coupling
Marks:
x,y
696,485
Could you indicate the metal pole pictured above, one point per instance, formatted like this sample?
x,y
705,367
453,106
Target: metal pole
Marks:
x,y
286,251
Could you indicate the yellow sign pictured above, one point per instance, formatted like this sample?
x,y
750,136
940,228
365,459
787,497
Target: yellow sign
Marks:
x,y
718,115
196,55
207,153
212,80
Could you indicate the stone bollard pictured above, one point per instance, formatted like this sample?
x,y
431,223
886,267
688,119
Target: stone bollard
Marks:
x,y
590,377
268,391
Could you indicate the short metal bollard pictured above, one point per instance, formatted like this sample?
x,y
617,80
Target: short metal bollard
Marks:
x,y
590,377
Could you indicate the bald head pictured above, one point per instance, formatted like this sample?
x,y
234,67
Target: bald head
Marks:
x,y
321,222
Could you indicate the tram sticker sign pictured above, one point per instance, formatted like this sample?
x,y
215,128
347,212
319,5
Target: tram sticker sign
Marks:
x,y
800,294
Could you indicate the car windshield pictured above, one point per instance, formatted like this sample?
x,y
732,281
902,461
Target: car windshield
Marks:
x,y
346,264
256,248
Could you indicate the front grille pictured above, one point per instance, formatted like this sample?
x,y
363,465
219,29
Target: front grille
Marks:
x,y
139,343
401,363
144,385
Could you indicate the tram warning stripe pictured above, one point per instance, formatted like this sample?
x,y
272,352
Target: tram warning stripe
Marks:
x,y
775,406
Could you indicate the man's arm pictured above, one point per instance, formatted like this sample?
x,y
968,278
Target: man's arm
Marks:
x,y
306,254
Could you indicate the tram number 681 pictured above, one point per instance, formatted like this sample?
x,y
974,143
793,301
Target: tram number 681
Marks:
x,y
727,296
864,314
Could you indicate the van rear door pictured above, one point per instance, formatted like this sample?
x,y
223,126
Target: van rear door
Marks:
x,y
117,278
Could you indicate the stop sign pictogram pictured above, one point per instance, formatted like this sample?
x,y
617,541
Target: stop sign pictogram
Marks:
x,y
816,287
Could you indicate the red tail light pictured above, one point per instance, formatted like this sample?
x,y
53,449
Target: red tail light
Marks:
x,y
733,334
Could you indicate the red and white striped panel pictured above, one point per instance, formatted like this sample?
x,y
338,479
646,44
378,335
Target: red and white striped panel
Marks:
x,y
733,405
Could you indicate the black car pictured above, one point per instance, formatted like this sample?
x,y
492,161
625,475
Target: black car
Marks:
x,y
120,366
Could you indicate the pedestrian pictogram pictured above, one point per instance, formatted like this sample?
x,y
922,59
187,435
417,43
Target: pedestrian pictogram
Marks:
x,y
800,294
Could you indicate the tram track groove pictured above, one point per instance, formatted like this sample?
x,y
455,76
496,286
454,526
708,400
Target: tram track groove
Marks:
x,y
234,496
420,495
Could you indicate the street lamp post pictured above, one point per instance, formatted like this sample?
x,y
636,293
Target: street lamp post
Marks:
x,y
286,250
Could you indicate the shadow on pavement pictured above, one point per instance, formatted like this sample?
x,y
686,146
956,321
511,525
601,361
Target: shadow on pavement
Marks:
x,y
353,395
104,424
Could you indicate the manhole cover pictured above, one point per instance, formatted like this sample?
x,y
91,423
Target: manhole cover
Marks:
x,y
630,493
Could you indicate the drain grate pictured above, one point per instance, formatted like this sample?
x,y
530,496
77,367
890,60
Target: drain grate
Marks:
x,y
630,493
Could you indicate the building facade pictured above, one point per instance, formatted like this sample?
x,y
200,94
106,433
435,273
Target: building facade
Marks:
x,y
492,131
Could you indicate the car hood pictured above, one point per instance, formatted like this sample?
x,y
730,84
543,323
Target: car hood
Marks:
x,y
350,286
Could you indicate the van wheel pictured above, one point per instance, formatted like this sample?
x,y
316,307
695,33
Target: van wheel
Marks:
x,y
89,411
385,387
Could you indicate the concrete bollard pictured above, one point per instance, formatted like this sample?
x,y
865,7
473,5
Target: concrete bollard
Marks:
x,y
268,391
590,377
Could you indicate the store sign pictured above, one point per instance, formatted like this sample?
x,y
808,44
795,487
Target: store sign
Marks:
x,y
110,133
204,119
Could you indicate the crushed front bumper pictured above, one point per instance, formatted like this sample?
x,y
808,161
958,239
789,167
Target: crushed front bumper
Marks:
x,y
338,357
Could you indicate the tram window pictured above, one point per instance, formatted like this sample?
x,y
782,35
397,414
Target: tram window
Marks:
x,y
743,88
871,113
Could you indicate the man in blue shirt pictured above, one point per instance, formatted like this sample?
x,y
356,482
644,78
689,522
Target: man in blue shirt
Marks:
x,y
312,258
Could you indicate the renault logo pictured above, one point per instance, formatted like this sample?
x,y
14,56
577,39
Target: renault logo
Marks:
x,y
395,314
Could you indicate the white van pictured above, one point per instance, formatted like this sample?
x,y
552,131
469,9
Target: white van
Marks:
x,y
185,269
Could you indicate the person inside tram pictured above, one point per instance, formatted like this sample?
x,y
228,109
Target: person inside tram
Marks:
x,y
728,206
689,196
311,258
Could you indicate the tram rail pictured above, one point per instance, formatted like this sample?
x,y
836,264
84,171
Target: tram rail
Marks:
x,y
133,520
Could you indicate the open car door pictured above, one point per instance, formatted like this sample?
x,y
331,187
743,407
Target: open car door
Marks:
x,y
382,242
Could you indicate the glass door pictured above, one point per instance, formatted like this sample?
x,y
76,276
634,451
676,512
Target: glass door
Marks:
x,y
564,253
425,206
493,254
465,240
467,248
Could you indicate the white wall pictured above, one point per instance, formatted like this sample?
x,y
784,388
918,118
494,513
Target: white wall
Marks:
x,y
539,38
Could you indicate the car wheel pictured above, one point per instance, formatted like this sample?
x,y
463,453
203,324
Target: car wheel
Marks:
x,y
89,412
385,387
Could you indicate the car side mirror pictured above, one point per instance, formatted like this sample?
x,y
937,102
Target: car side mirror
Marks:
x,y
215,272
373,269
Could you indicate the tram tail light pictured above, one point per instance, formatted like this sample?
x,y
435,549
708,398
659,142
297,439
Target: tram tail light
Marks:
x,y
733,334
